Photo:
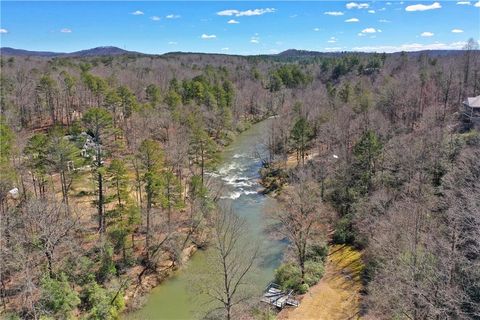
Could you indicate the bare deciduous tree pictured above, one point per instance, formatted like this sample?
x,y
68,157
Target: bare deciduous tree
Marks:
x,y
232,258
304,217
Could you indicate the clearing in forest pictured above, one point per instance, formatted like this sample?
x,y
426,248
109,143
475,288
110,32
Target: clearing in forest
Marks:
x,y
337,295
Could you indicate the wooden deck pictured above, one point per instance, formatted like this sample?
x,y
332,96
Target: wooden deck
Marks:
x,y
274,296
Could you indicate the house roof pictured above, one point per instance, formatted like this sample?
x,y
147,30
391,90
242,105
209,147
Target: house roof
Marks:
x,y
473,102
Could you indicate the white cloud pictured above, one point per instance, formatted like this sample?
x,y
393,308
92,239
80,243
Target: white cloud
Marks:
x,y
332,40
465,3
173,16
334,13
370,30
316,29
208,36
225,49
457,30
155,18
66,30
388,3
137,13
2,30
371,11
255,39
352,20
238,13
172,43
352,5
233,21
477,4
423,7
256,12
413,47
229,12
427,34
383,20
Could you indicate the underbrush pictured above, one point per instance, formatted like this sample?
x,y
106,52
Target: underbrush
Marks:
x,y
289,275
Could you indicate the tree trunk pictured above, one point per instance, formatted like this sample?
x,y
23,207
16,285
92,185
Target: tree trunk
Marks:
x,y
101,218
48,254
147,236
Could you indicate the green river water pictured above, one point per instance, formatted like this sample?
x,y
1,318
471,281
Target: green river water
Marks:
x,y
239,173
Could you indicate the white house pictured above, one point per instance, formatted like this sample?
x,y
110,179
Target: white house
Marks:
x,y
471,110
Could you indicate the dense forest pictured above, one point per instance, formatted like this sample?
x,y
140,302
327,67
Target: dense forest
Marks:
x,y
104,174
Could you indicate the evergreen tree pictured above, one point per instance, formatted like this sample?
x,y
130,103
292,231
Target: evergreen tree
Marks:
x,y
98,122
36,152
171,193
301,135
153,94
63,157
151,157
366,152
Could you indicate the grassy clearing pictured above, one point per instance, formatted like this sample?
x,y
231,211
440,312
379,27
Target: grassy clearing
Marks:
x,y
337,295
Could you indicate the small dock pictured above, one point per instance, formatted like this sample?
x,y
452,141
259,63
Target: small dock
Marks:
x,y
274,296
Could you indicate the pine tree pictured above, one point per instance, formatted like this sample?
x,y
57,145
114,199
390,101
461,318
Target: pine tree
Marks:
x,y
98,122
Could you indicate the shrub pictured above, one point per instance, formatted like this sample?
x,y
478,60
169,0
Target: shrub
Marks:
x,y
303,288
313,272
102,304
11,316
288,276
343,231
107,268
317,253
57,297
80,270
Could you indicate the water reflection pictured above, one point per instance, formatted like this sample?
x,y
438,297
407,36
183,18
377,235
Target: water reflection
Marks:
x,y
239,176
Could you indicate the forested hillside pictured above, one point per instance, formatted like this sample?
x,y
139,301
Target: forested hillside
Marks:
x,y
387,147
104,172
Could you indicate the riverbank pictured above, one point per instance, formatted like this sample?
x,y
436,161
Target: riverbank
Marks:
x,y
137,294
274,176
133,294
170,297
337,295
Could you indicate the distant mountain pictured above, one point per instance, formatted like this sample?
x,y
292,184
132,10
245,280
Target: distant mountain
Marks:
x,y
98,51
24,53
288,54
101,51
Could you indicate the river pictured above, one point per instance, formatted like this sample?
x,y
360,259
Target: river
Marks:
x,y
239,171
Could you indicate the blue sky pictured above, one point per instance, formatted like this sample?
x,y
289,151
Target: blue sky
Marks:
x,y
251,27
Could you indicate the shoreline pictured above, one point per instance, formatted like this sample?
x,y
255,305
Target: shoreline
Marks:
x,y
135,294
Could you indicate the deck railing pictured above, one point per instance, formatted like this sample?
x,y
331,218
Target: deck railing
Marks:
x,y
274,295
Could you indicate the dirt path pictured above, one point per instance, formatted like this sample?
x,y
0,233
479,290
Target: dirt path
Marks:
x,y
337,295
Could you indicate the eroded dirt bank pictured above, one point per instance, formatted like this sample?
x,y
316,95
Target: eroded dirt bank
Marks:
x,y
337,295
